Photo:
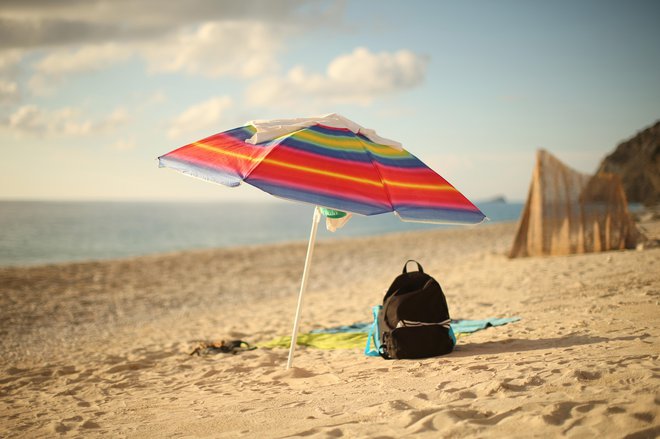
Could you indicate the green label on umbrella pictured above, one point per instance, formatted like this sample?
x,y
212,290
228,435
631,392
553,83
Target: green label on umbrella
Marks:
x,y
331,213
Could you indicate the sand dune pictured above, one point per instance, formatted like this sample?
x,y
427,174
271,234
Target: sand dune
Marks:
x,y
102,348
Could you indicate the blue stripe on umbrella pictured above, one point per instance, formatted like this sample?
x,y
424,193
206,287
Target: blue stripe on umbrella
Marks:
x,y
447,214
320,199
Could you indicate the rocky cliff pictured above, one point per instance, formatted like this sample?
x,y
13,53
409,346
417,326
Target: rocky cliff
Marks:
x,y
637,162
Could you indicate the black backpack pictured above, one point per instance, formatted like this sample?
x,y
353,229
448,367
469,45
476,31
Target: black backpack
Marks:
x,y
414,320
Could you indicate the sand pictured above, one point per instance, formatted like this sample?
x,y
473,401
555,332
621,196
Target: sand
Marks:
x,y
102,348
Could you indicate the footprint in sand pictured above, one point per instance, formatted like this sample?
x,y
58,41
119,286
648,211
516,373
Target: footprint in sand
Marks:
x,y
586,375
479,367
439,418
299,378
60,428
557,414
90,425
130,366
329,431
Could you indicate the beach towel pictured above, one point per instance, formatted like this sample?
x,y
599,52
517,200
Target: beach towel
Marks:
x,y
355,327
337,340
356,335
468,326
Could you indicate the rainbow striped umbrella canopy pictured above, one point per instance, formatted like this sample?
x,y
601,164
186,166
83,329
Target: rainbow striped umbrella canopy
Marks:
x,y
333,165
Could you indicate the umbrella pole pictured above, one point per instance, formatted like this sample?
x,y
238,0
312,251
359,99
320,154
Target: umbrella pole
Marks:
x,y
303,284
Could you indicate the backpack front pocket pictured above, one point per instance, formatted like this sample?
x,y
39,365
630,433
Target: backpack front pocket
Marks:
x,y
418,341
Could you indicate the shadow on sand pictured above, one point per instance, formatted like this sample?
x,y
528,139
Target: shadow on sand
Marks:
x,y
467,349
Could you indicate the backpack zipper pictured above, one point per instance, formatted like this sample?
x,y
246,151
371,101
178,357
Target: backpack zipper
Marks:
x,y
406,323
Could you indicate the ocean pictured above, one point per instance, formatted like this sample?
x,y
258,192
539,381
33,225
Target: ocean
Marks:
x,y
40,232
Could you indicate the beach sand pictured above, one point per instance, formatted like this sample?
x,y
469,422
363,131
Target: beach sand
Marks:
x,y
102,348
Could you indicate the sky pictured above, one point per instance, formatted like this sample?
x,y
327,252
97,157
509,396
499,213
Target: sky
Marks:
x,y
93,91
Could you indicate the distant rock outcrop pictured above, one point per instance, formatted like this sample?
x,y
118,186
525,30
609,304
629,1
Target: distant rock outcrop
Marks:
x,y
499,199
637,162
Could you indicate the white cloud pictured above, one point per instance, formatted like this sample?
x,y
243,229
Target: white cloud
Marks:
x,y
210,38
8,91
124,144
67,121
241,49
9,60
355,78
51,70
31,119
158,97
115,119
9,72
83,59
34,24
204,116
378,72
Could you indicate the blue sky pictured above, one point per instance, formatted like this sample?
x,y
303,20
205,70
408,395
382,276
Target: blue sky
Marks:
x,y
92,92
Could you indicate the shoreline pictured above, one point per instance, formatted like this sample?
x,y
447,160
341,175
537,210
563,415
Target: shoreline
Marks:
x,y
335,237
43,234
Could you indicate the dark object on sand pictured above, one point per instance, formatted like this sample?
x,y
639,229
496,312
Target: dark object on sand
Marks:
x,y
223,347
414,321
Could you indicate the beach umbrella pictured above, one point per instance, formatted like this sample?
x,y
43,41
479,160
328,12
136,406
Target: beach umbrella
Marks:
x,y
329,162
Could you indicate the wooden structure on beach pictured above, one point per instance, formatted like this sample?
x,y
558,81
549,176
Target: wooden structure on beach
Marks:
x,y
570,212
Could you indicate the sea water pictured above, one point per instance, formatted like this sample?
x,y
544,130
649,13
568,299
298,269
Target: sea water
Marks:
x,y
52,232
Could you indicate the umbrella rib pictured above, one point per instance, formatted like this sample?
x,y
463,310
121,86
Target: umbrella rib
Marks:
x,y
383,181
270,161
